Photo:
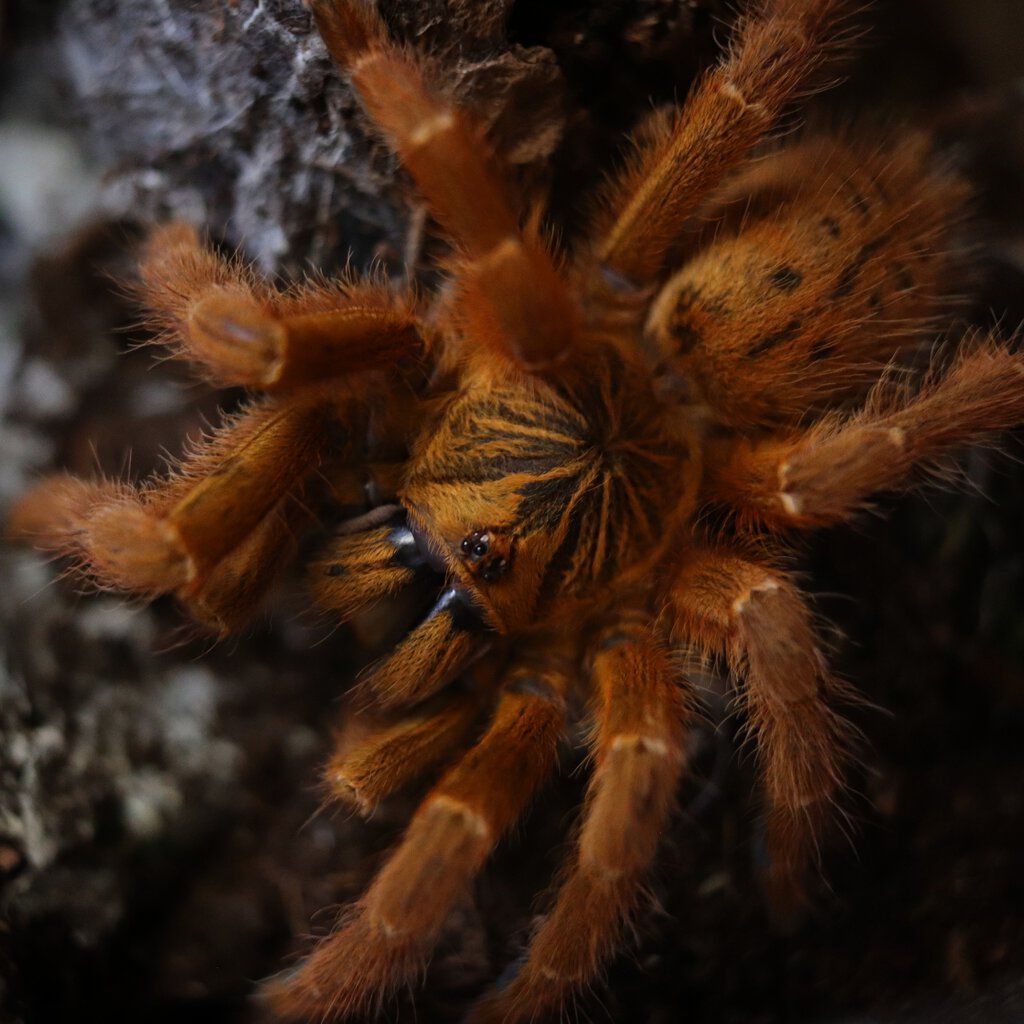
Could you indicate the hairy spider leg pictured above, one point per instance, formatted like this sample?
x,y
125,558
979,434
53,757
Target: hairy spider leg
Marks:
x,y
775,52
374,758
79,519
733,607
825,473
239,332
216,531
363,566
641,715
811,283
358,569
196,533
236,587
511,297
429,657
386,939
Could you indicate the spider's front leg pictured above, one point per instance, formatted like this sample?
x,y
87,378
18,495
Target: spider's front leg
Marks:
x,y
383,942
376,758
213,535
638,744
728,605
215,532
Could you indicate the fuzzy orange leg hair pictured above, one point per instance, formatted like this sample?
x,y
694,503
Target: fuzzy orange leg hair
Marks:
x,y
753,616
378,558
384,941
837,271
775,53
511,295
368,559
433,654
824,474
378,753
377,756
641,717
204,534
238,331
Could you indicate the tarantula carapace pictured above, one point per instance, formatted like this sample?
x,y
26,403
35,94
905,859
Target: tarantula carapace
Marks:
x,y
599,453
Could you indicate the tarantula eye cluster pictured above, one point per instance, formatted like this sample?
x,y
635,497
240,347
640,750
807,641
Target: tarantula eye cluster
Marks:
x,y
488,554
720,362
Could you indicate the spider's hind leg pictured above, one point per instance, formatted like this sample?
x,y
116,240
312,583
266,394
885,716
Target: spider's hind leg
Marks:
x,y
773,58
823,474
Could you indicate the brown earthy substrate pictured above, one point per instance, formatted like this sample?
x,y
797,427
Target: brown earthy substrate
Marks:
x,y
159,846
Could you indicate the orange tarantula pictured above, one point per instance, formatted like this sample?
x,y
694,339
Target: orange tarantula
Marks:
x,y
598,459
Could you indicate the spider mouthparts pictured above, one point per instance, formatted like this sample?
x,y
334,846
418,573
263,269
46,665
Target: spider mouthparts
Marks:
x,y
413,550
407,552
429,552
433,654
464,610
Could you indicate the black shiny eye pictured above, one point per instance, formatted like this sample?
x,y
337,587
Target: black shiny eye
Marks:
x,y
476,545
488,553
